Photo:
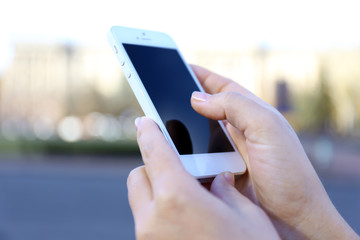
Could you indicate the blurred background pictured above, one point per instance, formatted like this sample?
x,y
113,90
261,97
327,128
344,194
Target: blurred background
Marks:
x,y
67,139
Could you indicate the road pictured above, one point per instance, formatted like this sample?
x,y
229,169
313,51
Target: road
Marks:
x,y
86,198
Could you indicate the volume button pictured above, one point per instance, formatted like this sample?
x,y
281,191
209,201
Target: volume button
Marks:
x,y
126,71
121,60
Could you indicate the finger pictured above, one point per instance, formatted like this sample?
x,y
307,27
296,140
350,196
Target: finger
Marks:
x,y
162,163
244,184
223,188
240,111
238,137
139,190
214,83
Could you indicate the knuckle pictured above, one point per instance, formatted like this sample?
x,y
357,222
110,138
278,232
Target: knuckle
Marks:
x,y
230,96
272,117
144,235
143,231
171,202
231,103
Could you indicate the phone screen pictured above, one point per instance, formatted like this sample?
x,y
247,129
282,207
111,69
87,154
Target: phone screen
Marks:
x,y
170,85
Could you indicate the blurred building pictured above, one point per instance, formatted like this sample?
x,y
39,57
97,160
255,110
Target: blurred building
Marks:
x,y
262,70
259,69
46,83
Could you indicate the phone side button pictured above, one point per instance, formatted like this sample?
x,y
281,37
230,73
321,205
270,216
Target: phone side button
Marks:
x,y
126,72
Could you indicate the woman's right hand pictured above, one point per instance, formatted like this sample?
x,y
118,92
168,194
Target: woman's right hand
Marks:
x,y
280,176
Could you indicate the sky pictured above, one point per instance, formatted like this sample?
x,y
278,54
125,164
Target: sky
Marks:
x,y
196,24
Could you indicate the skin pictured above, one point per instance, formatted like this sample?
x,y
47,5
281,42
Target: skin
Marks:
x,y
168,203
280,190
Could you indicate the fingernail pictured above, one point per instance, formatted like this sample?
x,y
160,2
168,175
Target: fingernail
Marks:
x,y
137,123
229,177
200,96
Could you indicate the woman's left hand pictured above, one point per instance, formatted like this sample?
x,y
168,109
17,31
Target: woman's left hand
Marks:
x,y
168,203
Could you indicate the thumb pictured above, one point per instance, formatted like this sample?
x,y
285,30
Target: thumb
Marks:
x,y
223,188
240,111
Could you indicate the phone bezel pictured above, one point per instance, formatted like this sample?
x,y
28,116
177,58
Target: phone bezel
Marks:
x,y
202,166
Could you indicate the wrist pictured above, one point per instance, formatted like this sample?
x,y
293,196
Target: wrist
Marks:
x,y
323,221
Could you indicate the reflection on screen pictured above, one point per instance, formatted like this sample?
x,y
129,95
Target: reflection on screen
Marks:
x,y
170,85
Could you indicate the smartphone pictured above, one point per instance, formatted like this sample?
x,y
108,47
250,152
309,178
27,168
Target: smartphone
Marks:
x,y
163,83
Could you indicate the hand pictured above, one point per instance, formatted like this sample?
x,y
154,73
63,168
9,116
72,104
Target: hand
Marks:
x,y
168,203
280,177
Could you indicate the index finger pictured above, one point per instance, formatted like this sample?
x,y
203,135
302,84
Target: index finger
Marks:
x,y
162,163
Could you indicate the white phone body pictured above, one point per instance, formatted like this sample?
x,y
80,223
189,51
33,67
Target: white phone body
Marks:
x,y
201,165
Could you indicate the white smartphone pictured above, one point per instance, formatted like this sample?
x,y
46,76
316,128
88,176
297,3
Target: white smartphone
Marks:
x,y
163,83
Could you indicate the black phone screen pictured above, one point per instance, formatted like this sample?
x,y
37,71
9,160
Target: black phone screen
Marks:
x,y
170,85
